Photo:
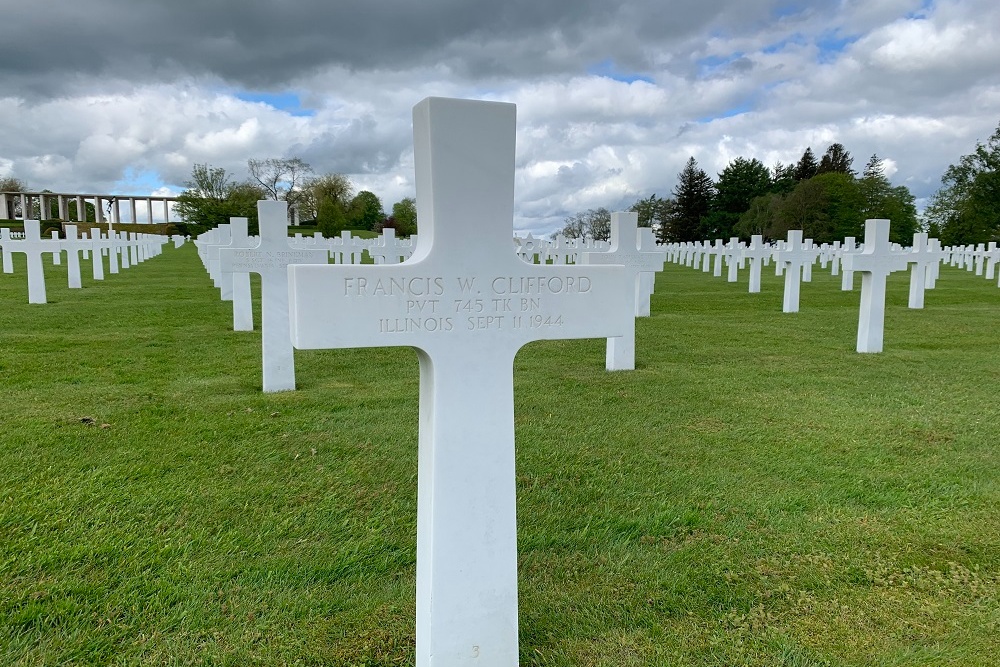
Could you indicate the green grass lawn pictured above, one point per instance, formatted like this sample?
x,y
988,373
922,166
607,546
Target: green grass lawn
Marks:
x,y
754,493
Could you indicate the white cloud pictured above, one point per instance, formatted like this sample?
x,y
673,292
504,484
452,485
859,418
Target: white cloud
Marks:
x,y
917,85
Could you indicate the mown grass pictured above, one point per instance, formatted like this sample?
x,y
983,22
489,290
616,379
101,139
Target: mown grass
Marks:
x,y
754,493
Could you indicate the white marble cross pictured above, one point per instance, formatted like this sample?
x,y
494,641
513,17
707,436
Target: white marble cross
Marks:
x,y
717,252
847,276
733,254
270,259
792,258
756,253
55,248
467,303
647,279
625,252
98,243
5,239
33,246
992,255
242,301
73,245
807,266
875,262
921,256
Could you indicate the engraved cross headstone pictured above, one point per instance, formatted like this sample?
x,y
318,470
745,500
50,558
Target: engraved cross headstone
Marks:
x,y
875,263
33,247
73,244
5,239
270,259
625,252
240,280
756,253
467,303
792,257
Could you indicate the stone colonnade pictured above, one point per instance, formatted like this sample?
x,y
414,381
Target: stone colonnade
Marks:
x,y
8,201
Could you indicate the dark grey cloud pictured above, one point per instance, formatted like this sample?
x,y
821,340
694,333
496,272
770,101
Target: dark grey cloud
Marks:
x,y
265,45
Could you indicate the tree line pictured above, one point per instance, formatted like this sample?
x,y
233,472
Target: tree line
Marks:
x,y
824,197
328,201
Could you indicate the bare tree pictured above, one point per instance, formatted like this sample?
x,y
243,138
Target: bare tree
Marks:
x,y
281,179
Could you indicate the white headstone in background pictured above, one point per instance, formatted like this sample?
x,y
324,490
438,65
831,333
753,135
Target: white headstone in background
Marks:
x,y
73,245
921,256
5,238
55,249
99,244
270,259
625,252
793,256
876,262
467,303
33,247
756,253
733,254
847,276
242,302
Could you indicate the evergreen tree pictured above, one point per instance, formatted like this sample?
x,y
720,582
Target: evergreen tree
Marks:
x,y
881,200
692,200
806,167
739,183
782,178
836,159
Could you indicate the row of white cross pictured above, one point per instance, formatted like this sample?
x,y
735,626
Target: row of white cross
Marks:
x,y
230,255
875,260
123,249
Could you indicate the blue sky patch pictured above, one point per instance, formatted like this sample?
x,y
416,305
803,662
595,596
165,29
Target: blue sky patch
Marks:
x,y
138,182
287,102
609,70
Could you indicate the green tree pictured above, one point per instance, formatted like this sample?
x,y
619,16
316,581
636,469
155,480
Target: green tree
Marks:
x,y
782,178
653,211
328,197
738,184
806,167
211,197
881,200
826,207
692,201
762,217
836,159
365,210
404,212
965,209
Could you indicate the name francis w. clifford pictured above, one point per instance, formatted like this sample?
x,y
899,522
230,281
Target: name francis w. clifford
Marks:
x,y
424,286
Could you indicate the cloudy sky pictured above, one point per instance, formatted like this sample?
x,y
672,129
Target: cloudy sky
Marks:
x,y
124,96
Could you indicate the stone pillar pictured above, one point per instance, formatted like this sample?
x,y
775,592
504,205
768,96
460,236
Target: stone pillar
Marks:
x,y
5,207
43,207
63,207
81,209
166,210
131,206
25,207
149,210
99,209
116,211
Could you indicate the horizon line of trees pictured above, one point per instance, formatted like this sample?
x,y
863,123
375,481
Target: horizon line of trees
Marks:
x,y
825,198
328,201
